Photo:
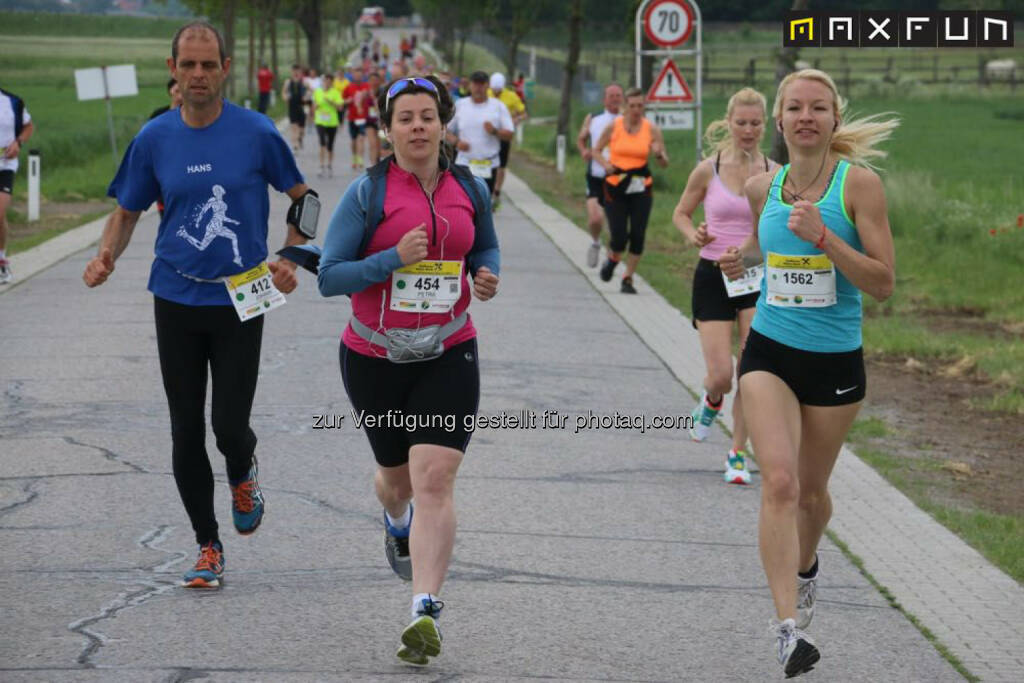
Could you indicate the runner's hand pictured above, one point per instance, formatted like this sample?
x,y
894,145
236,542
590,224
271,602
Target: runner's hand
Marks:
x,y
99,269
700,237
805,221
489,128
12,150
462,146
412,248
485,284
283,275
731,263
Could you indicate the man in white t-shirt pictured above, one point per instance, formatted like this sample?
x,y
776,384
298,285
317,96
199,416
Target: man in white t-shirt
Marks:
x,y
15,129
590,133
479,125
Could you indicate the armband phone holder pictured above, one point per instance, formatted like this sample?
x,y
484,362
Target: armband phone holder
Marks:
x,y
304,214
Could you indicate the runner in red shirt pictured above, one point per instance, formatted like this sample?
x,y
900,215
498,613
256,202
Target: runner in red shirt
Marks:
x,y
358,100
266,83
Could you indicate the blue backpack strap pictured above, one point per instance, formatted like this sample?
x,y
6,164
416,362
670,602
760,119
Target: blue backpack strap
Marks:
x,y
466,179
378,174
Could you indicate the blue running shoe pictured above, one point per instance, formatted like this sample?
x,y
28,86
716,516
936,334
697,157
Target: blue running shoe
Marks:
x,y
208,571
396,548
247,501
422,637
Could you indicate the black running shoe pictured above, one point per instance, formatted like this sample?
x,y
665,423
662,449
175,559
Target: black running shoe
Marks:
x,y
607,269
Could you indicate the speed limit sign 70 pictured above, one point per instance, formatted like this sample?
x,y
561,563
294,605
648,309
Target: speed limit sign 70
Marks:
x,y
668,23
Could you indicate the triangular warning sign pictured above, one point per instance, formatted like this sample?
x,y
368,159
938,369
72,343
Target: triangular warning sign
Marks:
x,y
669,86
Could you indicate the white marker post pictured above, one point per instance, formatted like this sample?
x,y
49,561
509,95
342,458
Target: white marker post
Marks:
x,y
104,83
33,185
560,164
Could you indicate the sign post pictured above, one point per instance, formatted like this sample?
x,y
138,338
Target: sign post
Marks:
x,y
669,24
104,83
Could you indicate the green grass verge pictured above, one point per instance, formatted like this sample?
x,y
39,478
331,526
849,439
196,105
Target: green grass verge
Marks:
x,y
997,537
893,602
55,226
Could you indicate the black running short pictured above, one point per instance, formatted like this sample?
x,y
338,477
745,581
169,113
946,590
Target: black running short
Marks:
x,y
355,130
297,116
7,182
710,299
817,379
506,146
429,402
595,188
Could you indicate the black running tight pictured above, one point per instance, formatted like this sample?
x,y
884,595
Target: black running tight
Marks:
x,y
191,340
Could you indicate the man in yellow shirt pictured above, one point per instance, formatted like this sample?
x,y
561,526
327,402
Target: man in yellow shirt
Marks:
x,y
327,103
518,111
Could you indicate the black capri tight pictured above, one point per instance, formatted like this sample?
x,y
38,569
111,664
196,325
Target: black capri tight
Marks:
x,y
326,135
627,221
429,402
194,343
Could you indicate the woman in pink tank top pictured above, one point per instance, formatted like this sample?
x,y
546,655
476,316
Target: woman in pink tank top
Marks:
x,y
717,181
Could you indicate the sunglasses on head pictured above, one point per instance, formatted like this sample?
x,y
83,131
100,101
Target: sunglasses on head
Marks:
x,y
399,86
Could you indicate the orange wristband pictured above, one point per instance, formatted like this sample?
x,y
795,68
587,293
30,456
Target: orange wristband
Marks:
x,y
820,244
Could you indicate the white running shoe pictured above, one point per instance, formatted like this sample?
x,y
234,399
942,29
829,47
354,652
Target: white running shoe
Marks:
x,y
703,417
796,651
736,471
593,251
807,594
5,271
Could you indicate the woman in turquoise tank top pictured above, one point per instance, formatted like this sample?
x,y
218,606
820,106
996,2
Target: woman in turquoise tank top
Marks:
x,y
823,236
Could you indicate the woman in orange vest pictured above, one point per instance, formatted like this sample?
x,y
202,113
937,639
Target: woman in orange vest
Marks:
x,y
631,139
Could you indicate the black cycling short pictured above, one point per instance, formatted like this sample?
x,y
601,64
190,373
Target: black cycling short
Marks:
x,y
355,130
436,398
595,188
7,181
817,378
326,135
506,146
710,300
297,116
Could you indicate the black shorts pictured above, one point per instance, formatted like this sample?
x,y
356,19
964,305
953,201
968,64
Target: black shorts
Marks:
x,y
326,135
595,189
506,146
354,130
297,116
817,378
7,181
429,402
710,300
373,123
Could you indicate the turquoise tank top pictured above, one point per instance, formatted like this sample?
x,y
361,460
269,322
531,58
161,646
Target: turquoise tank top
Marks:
x,y
828,329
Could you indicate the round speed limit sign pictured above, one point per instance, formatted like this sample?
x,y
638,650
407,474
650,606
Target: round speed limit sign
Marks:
x,y
668,23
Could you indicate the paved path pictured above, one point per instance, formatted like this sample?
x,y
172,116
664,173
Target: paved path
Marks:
x,y
600,555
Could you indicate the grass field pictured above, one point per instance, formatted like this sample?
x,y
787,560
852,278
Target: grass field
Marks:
x,y
38,56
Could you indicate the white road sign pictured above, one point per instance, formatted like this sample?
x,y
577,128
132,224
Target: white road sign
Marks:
x,y
672,119
668,23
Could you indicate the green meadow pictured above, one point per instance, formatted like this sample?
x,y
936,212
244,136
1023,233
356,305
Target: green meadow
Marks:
x,y
38,57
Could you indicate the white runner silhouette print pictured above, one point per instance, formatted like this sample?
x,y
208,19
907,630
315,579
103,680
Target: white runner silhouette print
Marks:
x,y
215,228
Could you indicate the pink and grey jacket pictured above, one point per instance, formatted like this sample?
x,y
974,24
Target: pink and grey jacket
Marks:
x,y
367,276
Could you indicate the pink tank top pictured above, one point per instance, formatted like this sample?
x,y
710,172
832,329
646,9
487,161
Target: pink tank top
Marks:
x,y
728,217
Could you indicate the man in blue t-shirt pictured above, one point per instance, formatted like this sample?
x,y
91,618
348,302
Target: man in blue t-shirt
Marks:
x,y
211,163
